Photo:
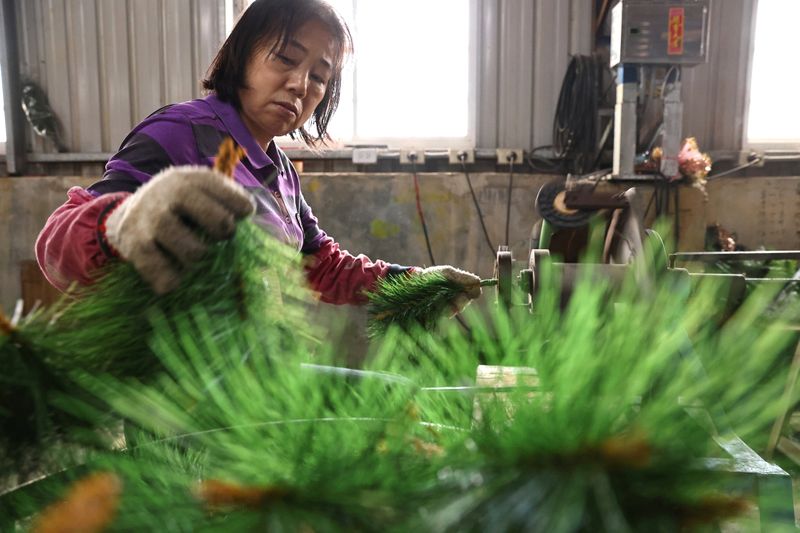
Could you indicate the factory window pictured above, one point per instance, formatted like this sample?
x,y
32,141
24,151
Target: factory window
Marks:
x,y
2,120
412,82
772,122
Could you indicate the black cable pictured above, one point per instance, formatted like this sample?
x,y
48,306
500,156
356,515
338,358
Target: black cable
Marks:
x,y
657,196
661,195
419,210
508,202
735,169
677,70
575,122
462,158
413,160
650,203
603,142
601,17
648,97
550,165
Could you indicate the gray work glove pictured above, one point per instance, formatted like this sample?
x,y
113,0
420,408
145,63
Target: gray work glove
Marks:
x,y
469,281
167,224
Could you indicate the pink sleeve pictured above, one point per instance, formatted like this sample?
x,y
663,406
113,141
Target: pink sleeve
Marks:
x,y
68,249
342,278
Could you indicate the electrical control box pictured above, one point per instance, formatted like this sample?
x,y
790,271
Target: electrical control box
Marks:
x,y
660,32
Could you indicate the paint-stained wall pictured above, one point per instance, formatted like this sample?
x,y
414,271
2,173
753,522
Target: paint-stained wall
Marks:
x,y
25,204
376,214
761,211
371,214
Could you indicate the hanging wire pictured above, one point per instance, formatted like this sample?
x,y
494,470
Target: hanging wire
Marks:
x,y
574,125
508,202
419,211
462,157
425,226
755,161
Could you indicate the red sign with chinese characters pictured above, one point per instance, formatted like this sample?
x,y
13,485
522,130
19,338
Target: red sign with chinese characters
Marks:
x,y
676,29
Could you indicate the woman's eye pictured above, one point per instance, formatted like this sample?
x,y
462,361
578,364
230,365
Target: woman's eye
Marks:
x,y
319,79
284,59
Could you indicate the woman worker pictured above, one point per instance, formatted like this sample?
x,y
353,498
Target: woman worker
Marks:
x,y
159,202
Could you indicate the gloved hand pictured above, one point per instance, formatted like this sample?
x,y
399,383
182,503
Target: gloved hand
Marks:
x,y
167,224
469,281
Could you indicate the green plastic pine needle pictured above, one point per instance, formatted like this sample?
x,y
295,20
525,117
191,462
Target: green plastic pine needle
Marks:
x,y
595,415
106,329
408,300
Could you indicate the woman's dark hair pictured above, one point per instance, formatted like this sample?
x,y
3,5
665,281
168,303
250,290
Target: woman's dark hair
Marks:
x,y
267,21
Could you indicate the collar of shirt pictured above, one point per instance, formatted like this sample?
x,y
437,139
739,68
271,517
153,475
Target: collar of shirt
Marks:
x,y
233,122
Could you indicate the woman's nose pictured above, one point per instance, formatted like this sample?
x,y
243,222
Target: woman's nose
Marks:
x,y
298,82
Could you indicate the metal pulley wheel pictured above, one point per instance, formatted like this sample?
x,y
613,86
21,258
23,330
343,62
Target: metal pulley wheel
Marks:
x,y
551,205
503,272
535,260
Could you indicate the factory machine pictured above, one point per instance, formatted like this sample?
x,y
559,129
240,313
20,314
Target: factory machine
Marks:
x,y
668,35
646,36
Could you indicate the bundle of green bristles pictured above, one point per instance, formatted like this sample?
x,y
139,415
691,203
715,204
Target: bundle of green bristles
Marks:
x,y
219,408
413,300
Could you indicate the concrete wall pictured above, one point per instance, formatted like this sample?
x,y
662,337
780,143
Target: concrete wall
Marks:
x,y
25,204
375,214
761,211
371,214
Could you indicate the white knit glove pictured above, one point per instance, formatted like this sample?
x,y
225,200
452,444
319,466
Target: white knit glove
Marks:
x,y
468,280
167,223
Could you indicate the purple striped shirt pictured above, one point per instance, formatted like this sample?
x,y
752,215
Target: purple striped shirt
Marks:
x,y
69,247
190,133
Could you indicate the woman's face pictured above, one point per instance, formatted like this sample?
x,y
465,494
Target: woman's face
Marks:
x,y
283,88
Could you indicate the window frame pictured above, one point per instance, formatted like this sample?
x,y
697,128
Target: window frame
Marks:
x,y
9,86
428,143
761,146
3,109
432,143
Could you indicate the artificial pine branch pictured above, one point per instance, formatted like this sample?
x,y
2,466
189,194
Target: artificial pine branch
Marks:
x,y
408,300
106,329
599,439
89,506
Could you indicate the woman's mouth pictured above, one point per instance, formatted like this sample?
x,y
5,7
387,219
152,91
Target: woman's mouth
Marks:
x,y
287,108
